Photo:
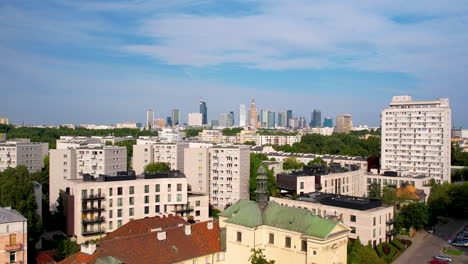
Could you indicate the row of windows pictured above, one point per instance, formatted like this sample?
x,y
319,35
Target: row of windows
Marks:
x,y
271,240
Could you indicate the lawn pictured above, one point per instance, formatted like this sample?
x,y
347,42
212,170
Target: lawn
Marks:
x,y
452,252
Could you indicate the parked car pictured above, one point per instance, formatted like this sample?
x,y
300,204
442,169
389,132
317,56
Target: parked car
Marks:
x,y
438,261
430,230
460,242
443,258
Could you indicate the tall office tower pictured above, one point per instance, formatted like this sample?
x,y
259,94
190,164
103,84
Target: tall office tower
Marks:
x,y
271,119
226,120
204,111
149,118
175,117
242,115
302,122
253,114
343,123
263,118
327,122
169,121
316,120
293,122
231,118
195,119
289,116
282,119
416,137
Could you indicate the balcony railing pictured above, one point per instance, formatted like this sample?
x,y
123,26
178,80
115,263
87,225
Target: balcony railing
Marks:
x,y
13,247
92,221
392,232
184,210
93,197
92,209
391,222
93,232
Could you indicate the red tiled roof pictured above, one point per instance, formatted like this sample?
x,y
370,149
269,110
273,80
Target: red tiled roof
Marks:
x,y
79,257
145,225
45,257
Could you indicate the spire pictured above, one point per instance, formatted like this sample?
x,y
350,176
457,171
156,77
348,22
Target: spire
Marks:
x,y
262,196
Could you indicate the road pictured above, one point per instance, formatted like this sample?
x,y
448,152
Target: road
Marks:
x,y
426,245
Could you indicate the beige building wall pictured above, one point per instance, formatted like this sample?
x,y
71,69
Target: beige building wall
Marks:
x,y
229,175
277,140
418,182
197,169
14,241
351,183
344,161
247,136
330,250
343,123
369,225
416,137
23,152
201,206
170,153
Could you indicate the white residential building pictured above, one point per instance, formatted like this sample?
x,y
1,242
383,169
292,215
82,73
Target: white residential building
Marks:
x,y
416,137
170,153
74,163
171,135
149,118
22,152
195,119
242,115
95,206
278,140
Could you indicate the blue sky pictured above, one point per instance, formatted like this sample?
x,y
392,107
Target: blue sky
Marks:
x,y
95,61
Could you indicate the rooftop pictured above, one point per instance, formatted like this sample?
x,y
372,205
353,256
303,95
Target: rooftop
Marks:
x,y
130,176
9,215
312,156
343,201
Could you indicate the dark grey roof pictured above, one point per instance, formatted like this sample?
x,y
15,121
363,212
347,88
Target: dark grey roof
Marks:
x,y
310,155
8,215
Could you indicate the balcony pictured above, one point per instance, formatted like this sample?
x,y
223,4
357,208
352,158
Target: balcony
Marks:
x,y
391,222
392,232
14,247
93,232
184,210
93,221
93,197
92,209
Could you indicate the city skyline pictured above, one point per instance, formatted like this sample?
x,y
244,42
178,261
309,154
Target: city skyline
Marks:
x,y
106,62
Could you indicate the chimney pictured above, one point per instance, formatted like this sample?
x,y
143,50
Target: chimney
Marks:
x,y
88,248
162,235
209,225
188,230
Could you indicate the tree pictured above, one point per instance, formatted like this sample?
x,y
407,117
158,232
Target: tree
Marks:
x,y
317,161
357,254
66,248
192,132
374,191
414,215
157,167
258,257
231,131
292,164
129,145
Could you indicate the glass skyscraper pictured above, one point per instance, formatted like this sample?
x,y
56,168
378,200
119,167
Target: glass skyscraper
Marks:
x,y
328,122
289,116
316,119
204,111
175,117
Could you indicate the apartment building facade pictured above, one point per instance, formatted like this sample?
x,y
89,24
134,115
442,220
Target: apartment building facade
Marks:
x,y
170,153
344,123
416,137
69,164
13,236
278,140
23,152
97,205
369,220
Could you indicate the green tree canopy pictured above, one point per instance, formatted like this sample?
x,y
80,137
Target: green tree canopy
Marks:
x,y
414,215
375,191
231,131
157,167
258,257
292,164
66,248
317,161
192,132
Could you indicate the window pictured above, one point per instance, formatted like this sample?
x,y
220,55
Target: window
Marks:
x,y
302,185
146,209
131,211
119,202
197,213
220,257
353,230
271,238
374,221
110,225
12,257
157,198
110,191
131,201
110,214
287,242
179,197
146,199
169,197
157,187
197,203
119,213
179,187
119,191
12,239
239,237
169,187
84,193
146,188
374,232
119,223
352,218
156,209
131,190
304,245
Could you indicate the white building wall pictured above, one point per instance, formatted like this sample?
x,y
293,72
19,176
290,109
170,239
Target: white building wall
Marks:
x,y
23,152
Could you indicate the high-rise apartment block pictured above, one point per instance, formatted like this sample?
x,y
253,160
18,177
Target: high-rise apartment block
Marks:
x,y
316,120
289,116
253,115
195,119
242,115
204,111
149,118
22,152
175,117
149,152
343,123
4,120
328,122
416,137
13,236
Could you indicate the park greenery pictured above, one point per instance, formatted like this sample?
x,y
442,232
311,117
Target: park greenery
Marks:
x,y
413,214
50,135
448,200
292,163
192,132
256,160
383,253
231,131
156,167
336,144
459,158
316,161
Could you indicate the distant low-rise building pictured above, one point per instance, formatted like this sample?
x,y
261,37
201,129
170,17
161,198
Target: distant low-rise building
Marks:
x,y
4,120
23,152
278,140
195,119
13,236
344,161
